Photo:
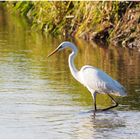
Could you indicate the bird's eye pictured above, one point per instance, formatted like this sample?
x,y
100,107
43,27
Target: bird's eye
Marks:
x,y
60,47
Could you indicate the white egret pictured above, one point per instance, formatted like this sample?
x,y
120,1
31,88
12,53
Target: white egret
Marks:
x,y
96,81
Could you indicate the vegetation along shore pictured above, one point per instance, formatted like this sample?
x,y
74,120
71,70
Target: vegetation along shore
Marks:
x,y
114,22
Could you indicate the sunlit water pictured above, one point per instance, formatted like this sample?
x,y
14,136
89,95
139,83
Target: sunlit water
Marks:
x,y
40,99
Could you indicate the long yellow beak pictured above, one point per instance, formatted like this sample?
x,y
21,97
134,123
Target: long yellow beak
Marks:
x,y
53,52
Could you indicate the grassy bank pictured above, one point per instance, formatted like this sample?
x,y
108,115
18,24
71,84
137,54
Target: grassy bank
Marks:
x,y
115,22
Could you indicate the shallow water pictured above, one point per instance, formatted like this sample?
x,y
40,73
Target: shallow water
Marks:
x,y
40,99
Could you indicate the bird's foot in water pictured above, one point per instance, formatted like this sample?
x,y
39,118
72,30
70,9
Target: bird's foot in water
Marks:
x,y
105,109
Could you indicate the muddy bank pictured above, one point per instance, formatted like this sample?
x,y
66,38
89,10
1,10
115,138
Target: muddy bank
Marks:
x,y
124,33
127,32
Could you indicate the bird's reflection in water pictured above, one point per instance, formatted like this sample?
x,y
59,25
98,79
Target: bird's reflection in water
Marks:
x,y
99,124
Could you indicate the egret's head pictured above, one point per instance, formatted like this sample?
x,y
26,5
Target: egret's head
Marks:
x,y
62,46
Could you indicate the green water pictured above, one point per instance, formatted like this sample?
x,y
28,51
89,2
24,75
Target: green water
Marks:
x,y
40,99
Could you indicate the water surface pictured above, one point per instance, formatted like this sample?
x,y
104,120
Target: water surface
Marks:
x,y
40,99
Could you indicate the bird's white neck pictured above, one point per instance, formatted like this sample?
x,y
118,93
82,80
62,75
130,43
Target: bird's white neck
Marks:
x,y
72,67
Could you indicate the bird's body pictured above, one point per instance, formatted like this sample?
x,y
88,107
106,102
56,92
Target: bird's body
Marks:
x,y
91,77
97,80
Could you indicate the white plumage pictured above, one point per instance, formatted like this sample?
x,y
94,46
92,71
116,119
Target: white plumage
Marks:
x,y
96,81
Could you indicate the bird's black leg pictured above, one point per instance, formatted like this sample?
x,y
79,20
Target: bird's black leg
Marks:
x,y
95,108
116,104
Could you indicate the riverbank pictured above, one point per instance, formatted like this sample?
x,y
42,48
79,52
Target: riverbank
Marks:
x,y
117,22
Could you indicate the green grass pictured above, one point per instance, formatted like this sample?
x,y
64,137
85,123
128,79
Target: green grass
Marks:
x,y
72,17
